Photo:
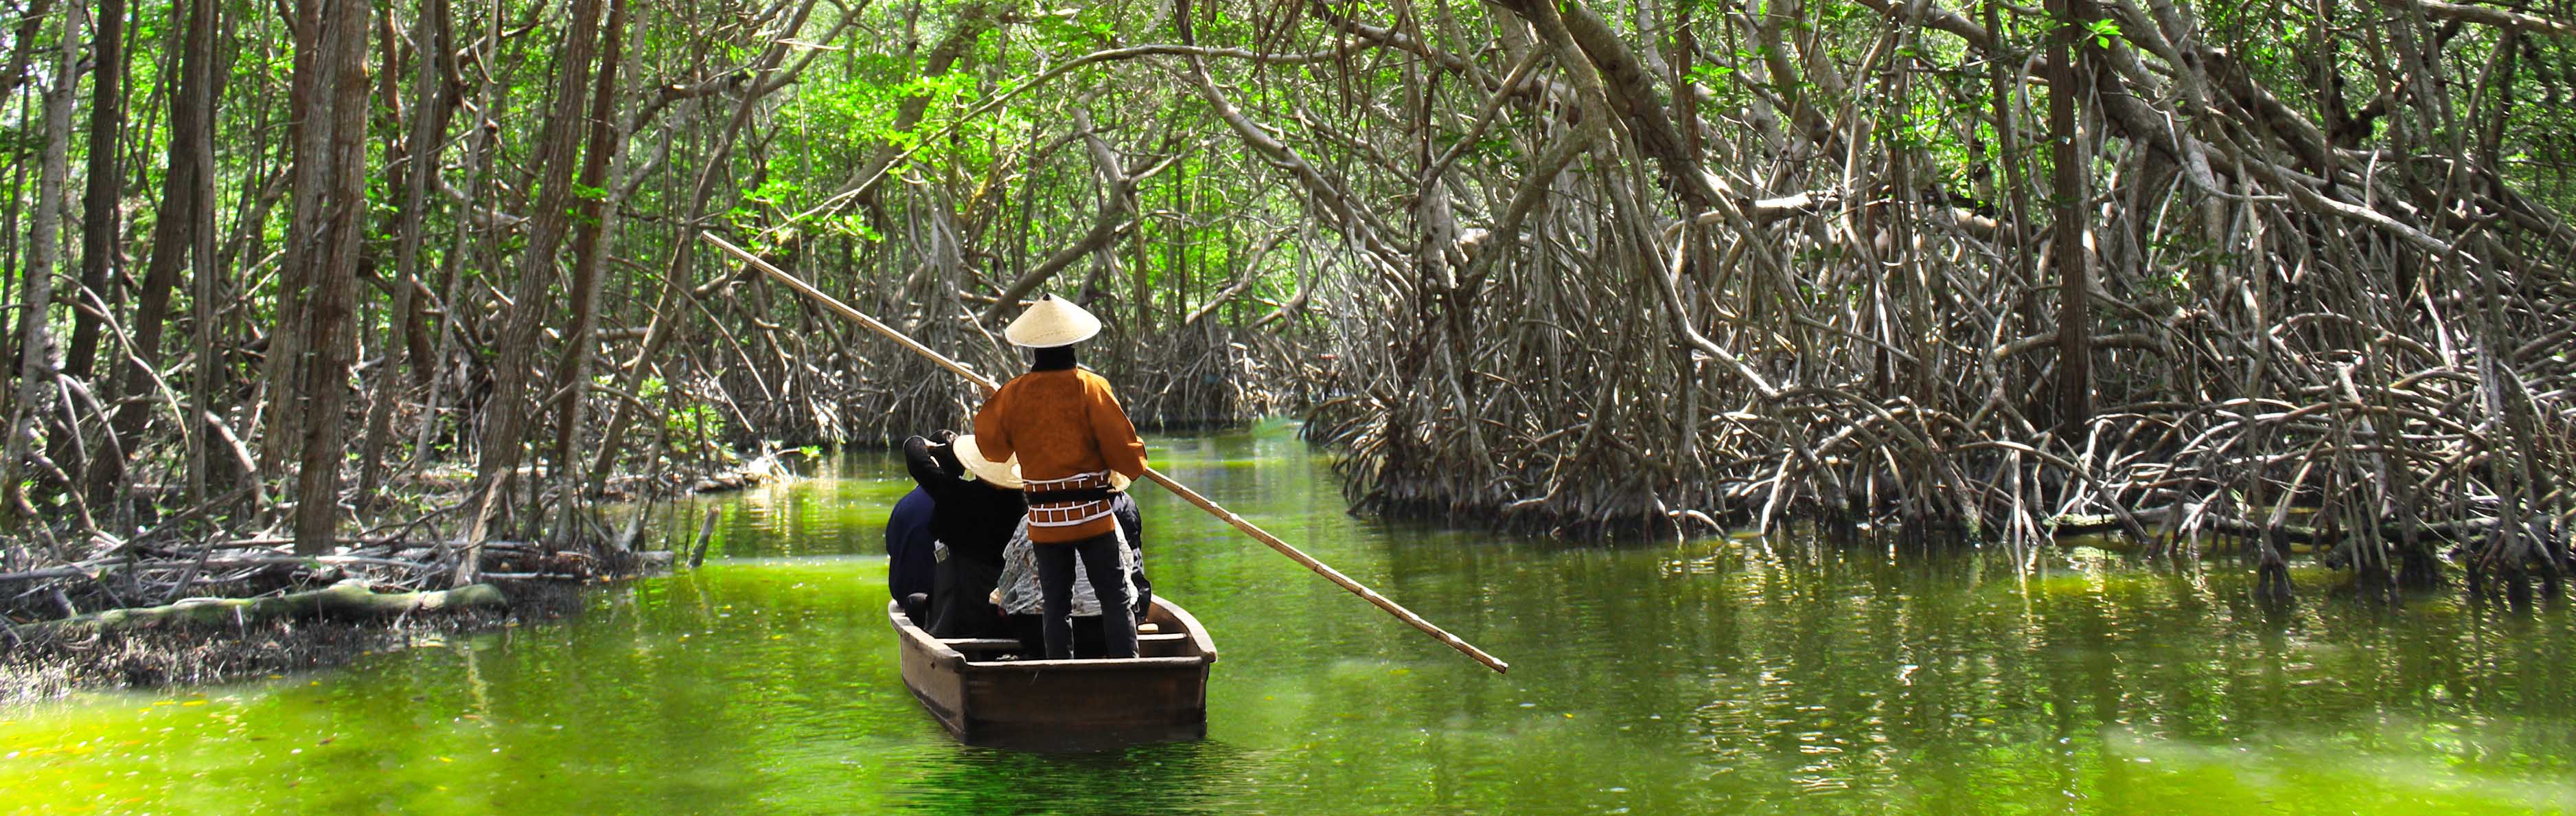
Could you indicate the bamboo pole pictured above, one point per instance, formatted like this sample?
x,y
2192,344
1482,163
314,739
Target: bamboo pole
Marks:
x,y
1192,496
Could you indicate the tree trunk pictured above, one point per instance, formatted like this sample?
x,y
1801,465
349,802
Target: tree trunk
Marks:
x,y
430,118
330,205
307,137
36,297
1632,94
210,370
99,226
2066,151
506,420
450,368
2015,251
173,233
588,256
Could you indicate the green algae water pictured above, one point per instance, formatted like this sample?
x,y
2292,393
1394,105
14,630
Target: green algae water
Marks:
x,y
1714,676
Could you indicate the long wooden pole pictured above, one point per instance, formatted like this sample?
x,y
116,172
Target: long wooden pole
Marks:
x,y
1156,476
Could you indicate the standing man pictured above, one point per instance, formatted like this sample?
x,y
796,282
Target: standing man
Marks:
x,y
1077,452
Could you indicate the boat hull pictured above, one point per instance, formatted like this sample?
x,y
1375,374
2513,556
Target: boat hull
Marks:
x,y
1160,696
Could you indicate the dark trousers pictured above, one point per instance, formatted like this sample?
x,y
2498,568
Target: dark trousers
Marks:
x,y
961,604
1133,526
1100,563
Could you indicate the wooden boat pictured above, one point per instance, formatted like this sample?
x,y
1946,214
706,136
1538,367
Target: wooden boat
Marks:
x,y
1158,696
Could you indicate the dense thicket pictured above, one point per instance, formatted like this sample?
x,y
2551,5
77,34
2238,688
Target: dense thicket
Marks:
x,y
370,275
2280,270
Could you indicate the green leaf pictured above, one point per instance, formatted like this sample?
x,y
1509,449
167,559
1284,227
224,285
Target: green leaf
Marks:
x,y
2104,31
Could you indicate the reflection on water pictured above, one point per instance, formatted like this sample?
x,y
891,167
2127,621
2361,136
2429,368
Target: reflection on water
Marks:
x,y
1714,676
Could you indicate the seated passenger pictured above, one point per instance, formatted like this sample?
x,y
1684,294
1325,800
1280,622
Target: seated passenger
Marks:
x,y
908,544
971,521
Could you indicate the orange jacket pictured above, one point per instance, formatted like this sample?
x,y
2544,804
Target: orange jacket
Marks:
x,y
1061,423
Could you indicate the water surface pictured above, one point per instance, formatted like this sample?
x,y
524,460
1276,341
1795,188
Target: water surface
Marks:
x,y
1714,676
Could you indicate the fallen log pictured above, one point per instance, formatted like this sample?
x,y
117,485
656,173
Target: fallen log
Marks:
x,y
100,567
347,600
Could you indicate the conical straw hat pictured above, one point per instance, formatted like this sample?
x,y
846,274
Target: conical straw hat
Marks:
x,y
1004,475
1052,322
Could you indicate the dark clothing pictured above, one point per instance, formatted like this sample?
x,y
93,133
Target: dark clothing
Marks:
x,y
974,521
1058,358
1101,563
908,546
1032,637
1023,598
965,601
1132,524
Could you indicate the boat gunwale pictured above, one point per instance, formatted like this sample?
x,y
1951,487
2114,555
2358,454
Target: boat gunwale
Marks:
x,y
907,630
946,686
1091,665
1199,639
939,650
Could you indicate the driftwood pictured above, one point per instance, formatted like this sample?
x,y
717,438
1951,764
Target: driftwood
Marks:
x,y
706,533
754,473
347,600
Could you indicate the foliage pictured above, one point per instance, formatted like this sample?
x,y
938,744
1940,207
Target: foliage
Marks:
x,y
1245,191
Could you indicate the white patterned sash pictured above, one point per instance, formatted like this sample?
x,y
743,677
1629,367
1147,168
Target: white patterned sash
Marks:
x,y
1090,500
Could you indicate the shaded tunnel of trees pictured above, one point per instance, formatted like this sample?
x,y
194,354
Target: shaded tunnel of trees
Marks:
x,y
356,277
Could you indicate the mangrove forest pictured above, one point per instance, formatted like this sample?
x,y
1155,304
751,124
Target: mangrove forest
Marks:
x,y
412,281
1823,405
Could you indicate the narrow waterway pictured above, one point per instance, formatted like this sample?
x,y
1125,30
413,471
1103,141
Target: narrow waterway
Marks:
x,y
1715,676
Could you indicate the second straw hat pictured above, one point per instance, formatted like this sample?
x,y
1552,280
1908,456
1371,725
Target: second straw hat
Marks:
x,y
1052,322
1004,475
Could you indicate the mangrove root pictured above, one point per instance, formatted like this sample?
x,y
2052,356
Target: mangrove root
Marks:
x,y
346,600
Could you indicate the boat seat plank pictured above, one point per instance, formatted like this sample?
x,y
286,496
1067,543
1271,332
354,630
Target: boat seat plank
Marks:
x,y
1089,664
994,644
